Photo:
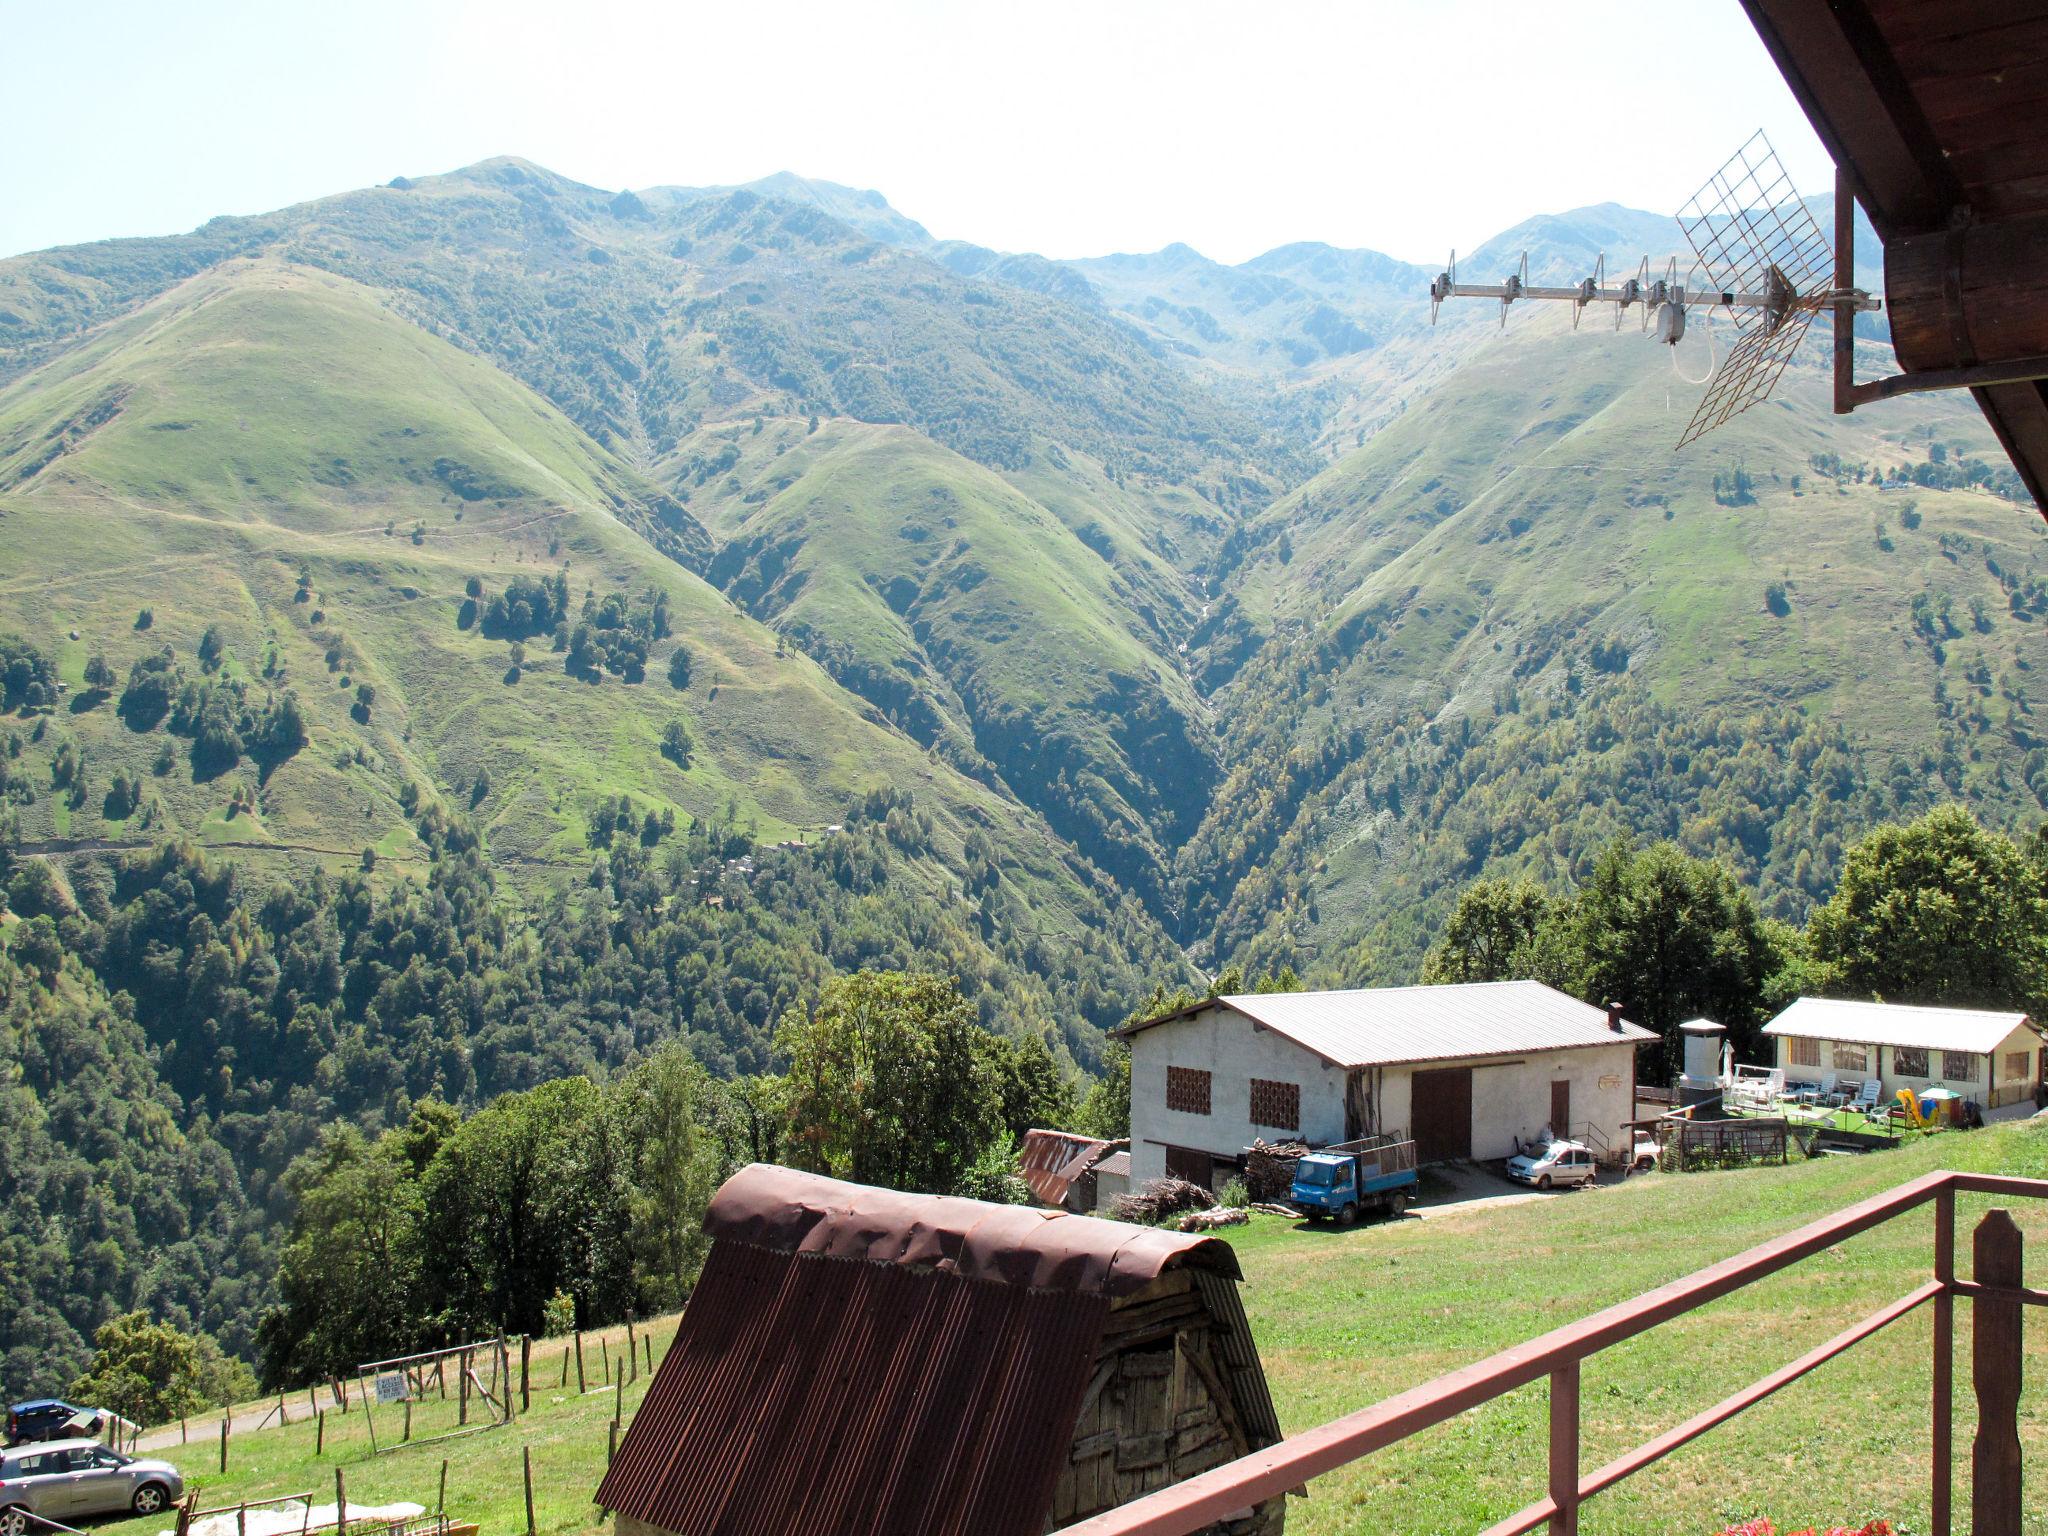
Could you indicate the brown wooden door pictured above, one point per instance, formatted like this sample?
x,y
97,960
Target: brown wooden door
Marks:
x,y
1440,1110
1190,1164
1561,1106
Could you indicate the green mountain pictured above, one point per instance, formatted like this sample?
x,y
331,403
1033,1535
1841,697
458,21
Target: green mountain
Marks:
x,y
1137,566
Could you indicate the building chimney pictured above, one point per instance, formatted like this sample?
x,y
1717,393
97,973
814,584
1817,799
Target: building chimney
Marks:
x,y
1614,1017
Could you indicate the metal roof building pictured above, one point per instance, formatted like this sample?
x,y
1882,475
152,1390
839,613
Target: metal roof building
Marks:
x,y
1468,1071
868,1363
1938,1029
1993,1058
1382,1026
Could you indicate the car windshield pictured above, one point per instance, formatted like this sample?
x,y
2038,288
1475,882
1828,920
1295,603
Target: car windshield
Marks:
x,y
1314,1173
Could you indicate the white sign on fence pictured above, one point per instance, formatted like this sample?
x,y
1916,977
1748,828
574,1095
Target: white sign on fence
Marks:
x,y
391,1387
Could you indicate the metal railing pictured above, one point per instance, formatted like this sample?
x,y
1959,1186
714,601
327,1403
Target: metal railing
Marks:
x,y
1995,1290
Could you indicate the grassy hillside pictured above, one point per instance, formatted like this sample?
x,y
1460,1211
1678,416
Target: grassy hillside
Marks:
x,y
1523,543
264,421
977,619
1343,1319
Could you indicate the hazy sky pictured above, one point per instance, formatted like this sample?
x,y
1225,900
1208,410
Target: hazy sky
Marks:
x,y
1407,126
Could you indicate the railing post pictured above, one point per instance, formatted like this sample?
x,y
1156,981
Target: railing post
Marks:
x,y
1564,1449
1995,1373
1943,1374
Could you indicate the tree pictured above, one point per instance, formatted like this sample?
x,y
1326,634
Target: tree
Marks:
x,y
888,1082
1106,1110
1032,1088
679,668
212,646
1670,938
1939,911
529,1197
676,744
1492,934
663,1104
151,1372
348,1281
99,677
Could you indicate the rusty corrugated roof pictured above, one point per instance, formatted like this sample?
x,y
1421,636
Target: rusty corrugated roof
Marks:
x,y
861,1362
1051,1160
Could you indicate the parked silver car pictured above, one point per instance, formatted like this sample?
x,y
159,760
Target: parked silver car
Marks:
x,y
70,1480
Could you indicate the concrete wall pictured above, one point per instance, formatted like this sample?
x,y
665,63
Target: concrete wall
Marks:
x,y
1510,1097
1991,1088
1233,1050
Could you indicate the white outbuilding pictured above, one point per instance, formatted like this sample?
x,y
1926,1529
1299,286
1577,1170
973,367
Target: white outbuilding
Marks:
x,y
1992,1057
1467,1070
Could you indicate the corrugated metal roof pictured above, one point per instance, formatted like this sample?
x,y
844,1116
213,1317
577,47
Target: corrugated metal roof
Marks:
x,y
1934,1029
780,1208
1387,1026
1051,1160
868,1363
804,1394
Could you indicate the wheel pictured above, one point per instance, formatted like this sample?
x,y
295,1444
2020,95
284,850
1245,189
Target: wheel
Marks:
x,y
1543,1181
150,1498
14,1520
1347,1216
1397,1204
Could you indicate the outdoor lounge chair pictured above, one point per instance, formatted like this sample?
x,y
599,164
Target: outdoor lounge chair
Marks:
x,y
1865,1102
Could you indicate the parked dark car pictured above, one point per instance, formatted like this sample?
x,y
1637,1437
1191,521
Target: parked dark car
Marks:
x,y
51,1418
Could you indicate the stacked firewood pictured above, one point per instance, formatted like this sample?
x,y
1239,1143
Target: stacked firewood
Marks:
x,y
1153,1202
1269,1168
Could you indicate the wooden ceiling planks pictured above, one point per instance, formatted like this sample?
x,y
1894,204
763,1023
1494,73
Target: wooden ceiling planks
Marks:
x,y
1939,109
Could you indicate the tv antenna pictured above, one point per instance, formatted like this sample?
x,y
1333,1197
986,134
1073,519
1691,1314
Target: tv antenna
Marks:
x,y
1759,255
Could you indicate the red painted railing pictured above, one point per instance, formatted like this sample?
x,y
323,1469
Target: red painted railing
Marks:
x,y
1996,1291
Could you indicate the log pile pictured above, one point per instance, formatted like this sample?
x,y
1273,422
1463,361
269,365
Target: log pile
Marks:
x,y
1269,1168
1153,1202
1209,1221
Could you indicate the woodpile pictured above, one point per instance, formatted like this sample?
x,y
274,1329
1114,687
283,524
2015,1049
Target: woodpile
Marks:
x,y
1269,1168
1153,1202
1210,1220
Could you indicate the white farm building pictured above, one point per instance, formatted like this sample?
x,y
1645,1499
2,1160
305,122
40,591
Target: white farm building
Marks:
x,y
1994,1058
1466,1070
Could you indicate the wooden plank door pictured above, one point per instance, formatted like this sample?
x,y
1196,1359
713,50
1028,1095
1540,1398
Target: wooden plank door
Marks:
x,y
1440,1110
1561,1106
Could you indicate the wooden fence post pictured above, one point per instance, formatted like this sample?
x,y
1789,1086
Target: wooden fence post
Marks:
x,y
408,1423
647,1339
441,1500
185,1507
1995,1373
340,1504
612,1451
526,1465
632,1347
181,1429
281,1417
618,1396
224,1444
565,1369
320,1432
604,1352
462,1388
579,1362
525,1371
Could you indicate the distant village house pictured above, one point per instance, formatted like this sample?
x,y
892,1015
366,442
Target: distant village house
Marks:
x,y
1993,1058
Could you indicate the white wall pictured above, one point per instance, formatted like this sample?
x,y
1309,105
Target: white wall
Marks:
x,y
1510,1098
1990,1071
1233,1050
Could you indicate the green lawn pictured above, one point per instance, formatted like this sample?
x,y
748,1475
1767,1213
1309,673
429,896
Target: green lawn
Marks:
x,y
1344,1318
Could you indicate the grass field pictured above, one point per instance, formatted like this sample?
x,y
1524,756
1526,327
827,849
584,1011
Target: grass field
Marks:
x,y
1344,1319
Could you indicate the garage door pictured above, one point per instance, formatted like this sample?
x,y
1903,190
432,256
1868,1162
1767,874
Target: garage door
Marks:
x,y
1440,1109
1189,1163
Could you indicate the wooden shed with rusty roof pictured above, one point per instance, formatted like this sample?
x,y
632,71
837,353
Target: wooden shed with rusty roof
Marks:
x,y
870,1363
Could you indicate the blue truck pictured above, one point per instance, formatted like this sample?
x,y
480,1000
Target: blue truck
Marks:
x,y
1374,1173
